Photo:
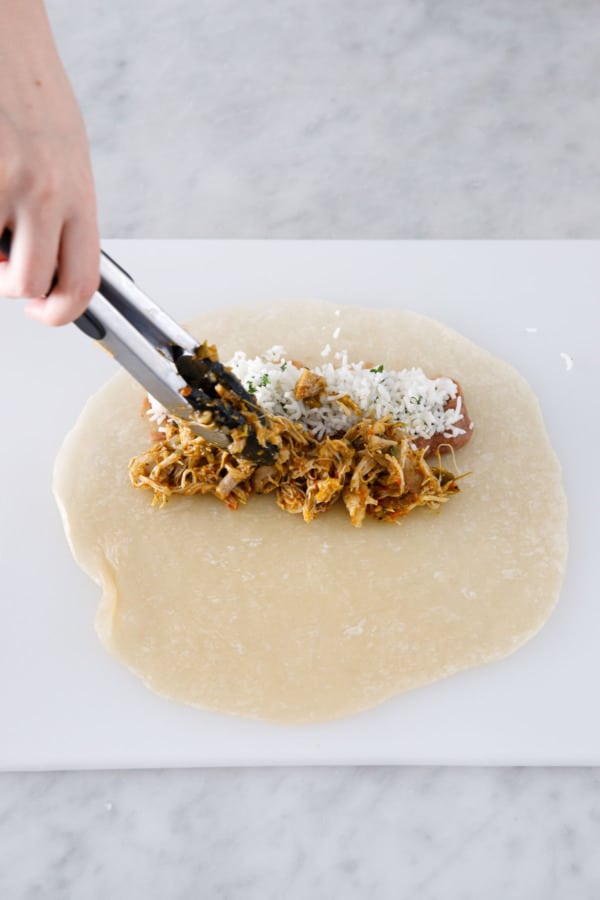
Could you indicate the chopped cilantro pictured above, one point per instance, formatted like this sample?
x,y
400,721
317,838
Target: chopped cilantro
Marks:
x,y
283,366
264,381
251,387
378,369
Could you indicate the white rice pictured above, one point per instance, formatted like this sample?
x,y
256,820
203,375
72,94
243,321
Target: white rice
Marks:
x,y
408,396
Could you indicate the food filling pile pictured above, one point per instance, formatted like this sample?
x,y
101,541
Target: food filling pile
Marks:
x,y
351,431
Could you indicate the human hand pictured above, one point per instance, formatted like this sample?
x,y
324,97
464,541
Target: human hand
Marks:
x,y
47,196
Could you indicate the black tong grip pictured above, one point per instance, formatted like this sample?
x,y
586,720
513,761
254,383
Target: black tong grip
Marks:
x,y
5,242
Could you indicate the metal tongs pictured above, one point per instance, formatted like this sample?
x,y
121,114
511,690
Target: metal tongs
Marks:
x,y
166,360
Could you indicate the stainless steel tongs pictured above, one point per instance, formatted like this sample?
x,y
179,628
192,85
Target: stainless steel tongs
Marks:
x,y
166,360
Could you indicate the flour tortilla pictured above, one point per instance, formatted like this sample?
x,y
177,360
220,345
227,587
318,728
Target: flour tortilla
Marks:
x,y
256,613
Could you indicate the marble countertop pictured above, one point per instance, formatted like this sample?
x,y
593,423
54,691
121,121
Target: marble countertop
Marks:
x,y
324,119
302,834
328,118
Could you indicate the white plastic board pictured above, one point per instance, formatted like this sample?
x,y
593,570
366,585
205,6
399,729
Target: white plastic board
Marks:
x,y
65,703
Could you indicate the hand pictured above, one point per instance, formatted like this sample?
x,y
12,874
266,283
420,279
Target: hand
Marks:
x,y
47,194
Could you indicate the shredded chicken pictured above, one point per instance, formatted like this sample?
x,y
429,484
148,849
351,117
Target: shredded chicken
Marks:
x,y
309,387
373,467
390,478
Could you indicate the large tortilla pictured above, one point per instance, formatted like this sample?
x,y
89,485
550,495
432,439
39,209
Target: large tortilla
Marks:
x,y
258,614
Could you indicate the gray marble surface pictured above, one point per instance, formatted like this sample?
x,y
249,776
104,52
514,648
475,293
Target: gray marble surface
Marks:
x,y
339,118
308,834
324,118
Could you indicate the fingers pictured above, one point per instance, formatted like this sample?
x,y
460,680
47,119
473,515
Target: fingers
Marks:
x,y
30,269
78,275
40,249
46,179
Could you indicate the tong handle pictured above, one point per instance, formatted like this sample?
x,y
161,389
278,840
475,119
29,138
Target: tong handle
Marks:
x,y
86,322
132,328
155,350
118,292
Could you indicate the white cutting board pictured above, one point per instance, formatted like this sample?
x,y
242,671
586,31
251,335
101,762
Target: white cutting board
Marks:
x,y
64,703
